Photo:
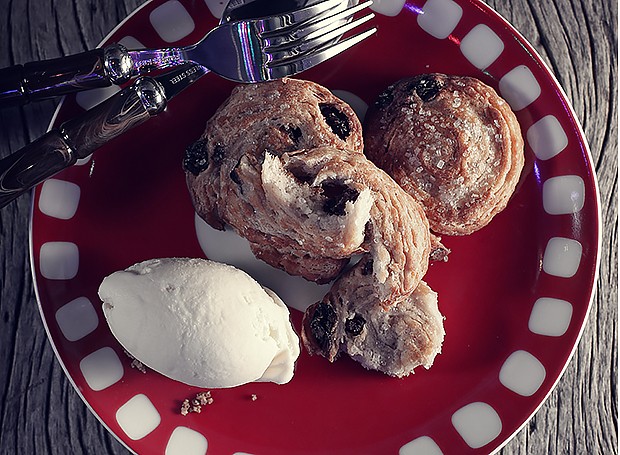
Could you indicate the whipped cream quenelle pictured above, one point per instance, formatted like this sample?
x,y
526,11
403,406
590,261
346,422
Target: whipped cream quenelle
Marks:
x,y
203,323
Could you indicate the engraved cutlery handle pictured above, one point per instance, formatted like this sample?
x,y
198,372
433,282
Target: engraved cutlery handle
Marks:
x,y
79,137
20,84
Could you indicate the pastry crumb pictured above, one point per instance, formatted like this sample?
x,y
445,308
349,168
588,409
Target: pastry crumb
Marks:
x,y
195,404
204,398
135,363
253,397
185,407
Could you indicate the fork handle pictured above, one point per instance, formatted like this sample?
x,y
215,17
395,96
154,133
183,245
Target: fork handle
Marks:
x,y
79,137
20,84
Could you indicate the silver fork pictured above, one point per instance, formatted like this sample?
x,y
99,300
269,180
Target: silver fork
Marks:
x,y
250,50
268,48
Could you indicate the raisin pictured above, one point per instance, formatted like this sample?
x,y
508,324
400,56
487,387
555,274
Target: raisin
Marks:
x,y
294,132
385,98
337,194
196,158
218,154
427,87
367,267
355,325
322,325
336,119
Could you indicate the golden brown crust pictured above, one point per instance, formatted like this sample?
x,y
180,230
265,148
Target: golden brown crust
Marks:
x,y
452,143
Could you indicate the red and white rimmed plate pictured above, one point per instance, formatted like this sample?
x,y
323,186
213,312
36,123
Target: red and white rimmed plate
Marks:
x,y
515,294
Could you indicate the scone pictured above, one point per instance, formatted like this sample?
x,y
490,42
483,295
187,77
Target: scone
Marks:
x,y
269,119
452,143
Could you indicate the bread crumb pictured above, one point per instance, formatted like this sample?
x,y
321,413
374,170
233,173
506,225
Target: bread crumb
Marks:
x,y
195,404
185,407
135,363
204,398
253,397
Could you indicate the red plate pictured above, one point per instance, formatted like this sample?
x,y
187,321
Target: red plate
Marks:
x,y
515,294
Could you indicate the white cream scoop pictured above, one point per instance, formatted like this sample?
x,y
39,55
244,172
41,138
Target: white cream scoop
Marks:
x,y
200,322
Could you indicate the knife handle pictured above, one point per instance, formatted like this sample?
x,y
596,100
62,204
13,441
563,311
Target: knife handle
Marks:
x,y
79,137
20,84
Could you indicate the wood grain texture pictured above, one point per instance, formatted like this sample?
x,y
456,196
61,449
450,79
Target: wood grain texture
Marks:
x,y
40,413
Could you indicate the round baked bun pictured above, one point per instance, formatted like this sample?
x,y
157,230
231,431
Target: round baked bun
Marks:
x,y
452,143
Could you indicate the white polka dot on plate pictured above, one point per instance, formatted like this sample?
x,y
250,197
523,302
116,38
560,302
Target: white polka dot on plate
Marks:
x,y
420,446
77,319
59,260
185,441
522,373
477,423
439,18
546,137
564,195
101,369
481,46
171,21
550,317
59,199
138,417
562,257
519,87
388,7
91,98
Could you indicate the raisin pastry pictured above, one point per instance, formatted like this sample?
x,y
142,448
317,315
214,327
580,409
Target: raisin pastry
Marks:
x,y
278,116
274,117
452,143
394,339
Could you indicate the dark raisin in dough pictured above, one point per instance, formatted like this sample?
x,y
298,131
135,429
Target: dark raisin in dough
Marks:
x,y
385,97
218,154
196,158
294,132
427,87
336,119
322,325
337,194
355,325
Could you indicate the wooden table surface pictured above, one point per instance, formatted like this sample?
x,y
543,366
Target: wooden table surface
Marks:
x,y
40,413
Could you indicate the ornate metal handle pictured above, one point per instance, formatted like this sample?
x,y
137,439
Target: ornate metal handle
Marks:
x,y
79,137
21,84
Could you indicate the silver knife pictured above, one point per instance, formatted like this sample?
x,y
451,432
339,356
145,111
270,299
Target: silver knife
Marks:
x,y
80,136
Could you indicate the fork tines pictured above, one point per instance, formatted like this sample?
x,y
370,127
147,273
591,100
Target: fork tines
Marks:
x,y
279,23
294,65
312,42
